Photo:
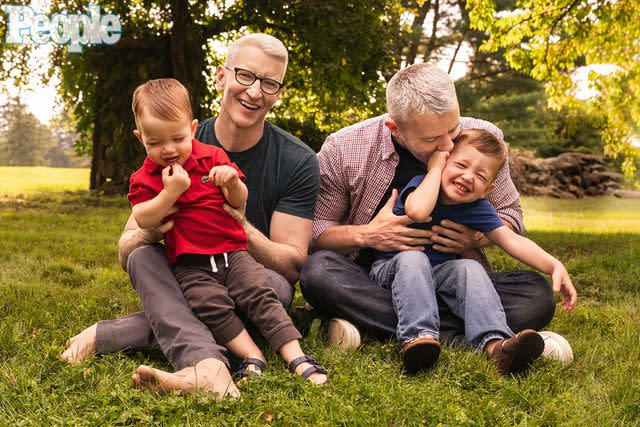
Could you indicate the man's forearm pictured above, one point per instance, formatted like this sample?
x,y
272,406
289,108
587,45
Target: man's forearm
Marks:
x,y
133,237
279,257
344,239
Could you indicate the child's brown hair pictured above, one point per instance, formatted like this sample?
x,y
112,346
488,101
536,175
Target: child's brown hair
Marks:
x,y
165,99
486,143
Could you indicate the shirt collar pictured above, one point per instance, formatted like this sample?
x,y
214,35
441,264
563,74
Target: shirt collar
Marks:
x,y
387,144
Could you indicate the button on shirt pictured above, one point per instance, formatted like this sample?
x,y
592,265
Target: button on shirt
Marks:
x,y
201,224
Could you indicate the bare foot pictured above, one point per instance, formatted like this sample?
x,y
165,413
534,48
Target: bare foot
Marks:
x,y
81,346
210,375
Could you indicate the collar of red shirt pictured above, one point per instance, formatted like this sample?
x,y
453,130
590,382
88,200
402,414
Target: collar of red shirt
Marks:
x,y
198,151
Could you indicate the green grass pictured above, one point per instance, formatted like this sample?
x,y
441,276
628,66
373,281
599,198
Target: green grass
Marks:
x,y
16,180
59,274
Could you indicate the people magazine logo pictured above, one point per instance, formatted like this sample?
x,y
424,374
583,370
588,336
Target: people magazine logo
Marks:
x,y
74,30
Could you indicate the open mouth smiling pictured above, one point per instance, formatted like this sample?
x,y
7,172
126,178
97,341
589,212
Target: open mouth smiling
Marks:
x,y
248,105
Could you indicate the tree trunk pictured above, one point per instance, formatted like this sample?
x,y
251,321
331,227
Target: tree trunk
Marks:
x,y
415,38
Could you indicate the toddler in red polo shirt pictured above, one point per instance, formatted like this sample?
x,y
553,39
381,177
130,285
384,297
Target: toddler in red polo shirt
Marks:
x,y
207,247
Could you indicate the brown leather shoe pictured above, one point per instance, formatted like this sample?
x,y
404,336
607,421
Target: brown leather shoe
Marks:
x,y
518,352
420,353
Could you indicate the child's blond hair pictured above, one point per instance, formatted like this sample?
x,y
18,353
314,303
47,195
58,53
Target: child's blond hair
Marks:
x,y
165,99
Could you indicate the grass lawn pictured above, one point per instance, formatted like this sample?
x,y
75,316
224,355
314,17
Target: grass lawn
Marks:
x,y
59,274
16,180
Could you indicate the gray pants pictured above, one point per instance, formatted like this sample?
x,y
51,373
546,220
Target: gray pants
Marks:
x,y
167,320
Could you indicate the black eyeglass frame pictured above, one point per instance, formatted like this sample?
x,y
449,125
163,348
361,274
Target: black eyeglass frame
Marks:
x,y
262,79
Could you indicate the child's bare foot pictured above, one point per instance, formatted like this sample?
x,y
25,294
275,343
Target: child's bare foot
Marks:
x,y
80,346
210,375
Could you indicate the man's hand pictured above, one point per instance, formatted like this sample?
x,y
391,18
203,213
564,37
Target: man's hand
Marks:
x,y
176,183
223,176
237,214
388,232
455,238
562,283
155,234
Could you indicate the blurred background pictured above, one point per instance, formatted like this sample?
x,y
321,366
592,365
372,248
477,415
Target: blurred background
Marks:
x,y
556,76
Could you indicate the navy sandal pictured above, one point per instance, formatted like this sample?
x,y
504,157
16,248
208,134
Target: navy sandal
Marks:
x,y
243,372
315,367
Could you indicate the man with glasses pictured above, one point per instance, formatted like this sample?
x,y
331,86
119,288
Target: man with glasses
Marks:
x,y
283,180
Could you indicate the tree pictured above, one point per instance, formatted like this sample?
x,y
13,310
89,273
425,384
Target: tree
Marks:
x,y
25,139
550,39
332,79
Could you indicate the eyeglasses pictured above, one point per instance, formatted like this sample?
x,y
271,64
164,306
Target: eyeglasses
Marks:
x,y
247,78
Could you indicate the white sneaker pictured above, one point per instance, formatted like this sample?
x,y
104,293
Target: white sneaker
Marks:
x,y
556,347
343,334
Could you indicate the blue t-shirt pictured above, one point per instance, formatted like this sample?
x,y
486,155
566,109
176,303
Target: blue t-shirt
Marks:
x,y
479,215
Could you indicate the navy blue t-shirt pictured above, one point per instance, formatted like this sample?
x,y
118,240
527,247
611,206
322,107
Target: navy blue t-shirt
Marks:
x,y
479,215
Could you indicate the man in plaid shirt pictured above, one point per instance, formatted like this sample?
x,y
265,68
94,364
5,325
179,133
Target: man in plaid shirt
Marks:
x,y
362,168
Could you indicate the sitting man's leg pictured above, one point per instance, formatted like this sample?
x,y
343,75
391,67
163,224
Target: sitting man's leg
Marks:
x,y
336,287
109,336
187,343
527,298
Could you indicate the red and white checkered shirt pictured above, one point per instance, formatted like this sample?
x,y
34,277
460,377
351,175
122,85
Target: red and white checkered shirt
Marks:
x,y
357,165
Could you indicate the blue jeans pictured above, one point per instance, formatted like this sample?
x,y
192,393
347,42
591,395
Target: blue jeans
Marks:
x,y
463,285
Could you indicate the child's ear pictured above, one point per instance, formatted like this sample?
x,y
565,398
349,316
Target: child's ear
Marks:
x,y
138,135
488,189
194,126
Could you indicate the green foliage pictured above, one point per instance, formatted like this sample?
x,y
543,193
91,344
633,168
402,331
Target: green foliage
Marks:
x,y
52,287
549,39
517,105
25,141
331,79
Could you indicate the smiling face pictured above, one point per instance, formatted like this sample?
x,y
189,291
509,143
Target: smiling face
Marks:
x,y
245,107
468,175
166,142
425,134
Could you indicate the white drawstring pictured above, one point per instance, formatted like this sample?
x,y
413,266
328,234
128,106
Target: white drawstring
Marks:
x,y
214,267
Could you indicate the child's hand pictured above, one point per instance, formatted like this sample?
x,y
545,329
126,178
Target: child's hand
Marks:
x,y
437,160
223,176
176,183
562,283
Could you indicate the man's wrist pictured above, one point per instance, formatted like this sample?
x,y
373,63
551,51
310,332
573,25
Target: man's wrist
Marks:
x,y
362,235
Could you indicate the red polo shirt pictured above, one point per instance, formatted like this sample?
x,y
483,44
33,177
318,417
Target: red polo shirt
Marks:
x,y
201,225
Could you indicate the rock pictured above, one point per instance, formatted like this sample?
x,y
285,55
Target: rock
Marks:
x,y
592,191
627,194
577,191
569,175
565,162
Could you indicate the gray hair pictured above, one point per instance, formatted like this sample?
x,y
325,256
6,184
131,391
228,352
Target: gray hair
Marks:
x,y
268,44
420,89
